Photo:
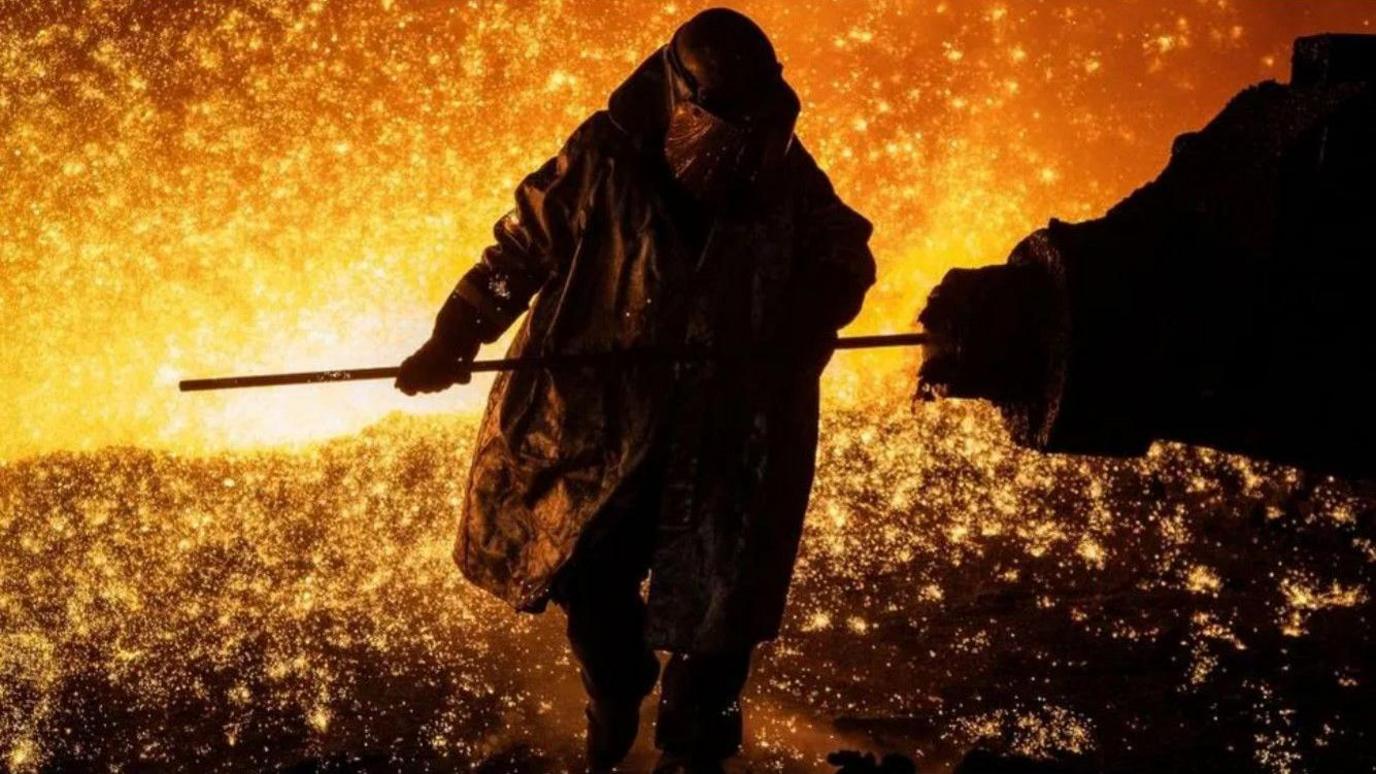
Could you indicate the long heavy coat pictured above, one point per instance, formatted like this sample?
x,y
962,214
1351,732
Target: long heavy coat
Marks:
x,y
596,234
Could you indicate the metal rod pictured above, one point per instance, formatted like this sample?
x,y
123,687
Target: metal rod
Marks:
x,y
627,356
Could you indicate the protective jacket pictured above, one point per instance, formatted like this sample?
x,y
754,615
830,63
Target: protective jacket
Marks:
x,y
613,257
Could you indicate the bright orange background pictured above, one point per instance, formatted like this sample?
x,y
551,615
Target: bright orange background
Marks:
x,y
274,185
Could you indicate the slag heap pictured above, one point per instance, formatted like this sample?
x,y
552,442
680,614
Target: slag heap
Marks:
x,y
1230,303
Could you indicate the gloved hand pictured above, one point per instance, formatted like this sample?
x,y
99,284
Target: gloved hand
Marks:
x,y
814,352
825,302
439,363
443,361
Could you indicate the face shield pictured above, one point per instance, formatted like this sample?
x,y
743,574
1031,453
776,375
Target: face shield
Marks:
x,y
714,149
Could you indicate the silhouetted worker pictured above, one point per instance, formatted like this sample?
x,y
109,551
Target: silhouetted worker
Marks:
x,y
685,216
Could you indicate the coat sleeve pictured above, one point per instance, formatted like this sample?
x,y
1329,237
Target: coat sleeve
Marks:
x,y
835,242
531,243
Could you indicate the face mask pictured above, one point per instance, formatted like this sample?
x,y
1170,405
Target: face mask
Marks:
x,y
703,151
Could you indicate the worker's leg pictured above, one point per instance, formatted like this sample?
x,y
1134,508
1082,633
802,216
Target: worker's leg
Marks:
x,y
606,629
699,708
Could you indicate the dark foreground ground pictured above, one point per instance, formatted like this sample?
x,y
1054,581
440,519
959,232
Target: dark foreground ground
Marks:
x,y
1190,611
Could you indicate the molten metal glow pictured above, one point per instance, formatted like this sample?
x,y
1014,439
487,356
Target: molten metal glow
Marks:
x,y
197,189
208,188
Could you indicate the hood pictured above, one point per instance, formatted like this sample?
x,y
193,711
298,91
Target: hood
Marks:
x,y
640,105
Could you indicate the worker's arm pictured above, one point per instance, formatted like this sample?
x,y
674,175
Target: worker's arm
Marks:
x,y
836,266
529,243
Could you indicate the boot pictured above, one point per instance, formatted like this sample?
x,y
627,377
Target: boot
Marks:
x,y
699,724
612,728
614,720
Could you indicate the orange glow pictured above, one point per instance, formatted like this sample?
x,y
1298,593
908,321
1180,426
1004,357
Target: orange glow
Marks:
x,y
262,185
217,188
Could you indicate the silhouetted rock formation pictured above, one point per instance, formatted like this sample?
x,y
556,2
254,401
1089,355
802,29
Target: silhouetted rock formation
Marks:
x,y
1229,303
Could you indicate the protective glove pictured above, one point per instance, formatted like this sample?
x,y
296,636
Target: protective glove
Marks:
x,y
443,361
826,302
814,352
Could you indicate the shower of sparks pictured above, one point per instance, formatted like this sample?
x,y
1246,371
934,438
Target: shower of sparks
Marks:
x,y
264,608
220,187
253,185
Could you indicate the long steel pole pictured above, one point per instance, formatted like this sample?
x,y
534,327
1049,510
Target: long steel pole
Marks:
x,y
514,363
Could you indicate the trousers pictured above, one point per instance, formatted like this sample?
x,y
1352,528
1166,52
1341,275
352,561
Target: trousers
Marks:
x,y
601,594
